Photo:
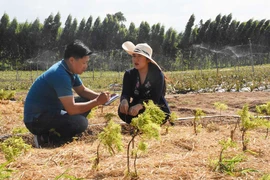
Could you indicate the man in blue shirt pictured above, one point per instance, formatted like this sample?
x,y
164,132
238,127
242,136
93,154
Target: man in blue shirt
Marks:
x,y
51,111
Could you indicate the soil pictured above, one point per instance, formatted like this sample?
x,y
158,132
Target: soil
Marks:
x,y
179,154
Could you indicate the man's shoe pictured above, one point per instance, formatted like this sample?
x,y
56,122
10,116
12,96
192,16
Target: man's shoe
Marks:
x,y
40,140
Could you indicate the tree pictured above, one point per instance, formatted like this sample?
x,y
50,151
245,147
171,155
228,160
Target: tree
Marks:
x,y
12,43
46,33
81,29
110,29
96,35
4,23
88,32
132,34
144,33
170,43
185,41
66,37
156,38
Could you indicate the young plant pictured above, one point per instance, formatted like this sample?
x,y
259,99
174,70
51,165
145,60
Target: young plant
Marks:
x,y
110,138
264,109
222,164
220,106
147,125
20,130
5,173
228,165
109,116
6,95
197,117
13,147
249,122
172,119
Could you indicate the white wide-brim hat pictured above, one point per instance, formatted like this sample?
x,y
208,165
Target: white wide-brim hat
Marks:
x,y
141,48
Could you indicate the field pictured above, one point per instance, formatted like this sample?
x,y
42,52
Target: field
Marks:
x,y
179,154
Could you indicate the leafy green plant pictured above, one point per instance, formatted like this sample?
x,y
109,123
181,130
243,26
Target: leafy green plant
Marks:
x,y
111,139
249,122
172,119
13,147
147,126
5,173
6,95
19,130
92,113
228,164
109,116
225,165
197,117
220,106
264,109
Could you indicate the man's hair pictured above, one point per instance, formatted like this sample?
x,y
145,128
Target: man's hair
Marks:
x,y
76,49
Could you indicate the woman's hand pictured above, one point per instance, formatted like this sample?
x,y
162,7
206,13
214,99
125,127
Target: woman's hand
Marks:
x,y
134,110
124,106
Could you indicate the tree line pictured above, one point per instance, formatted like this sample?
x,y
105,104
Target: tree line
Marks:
x,y
222,42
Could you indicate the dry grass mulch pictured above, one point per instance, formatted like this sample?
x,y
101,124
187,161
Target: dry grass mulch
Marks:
x,y
179,154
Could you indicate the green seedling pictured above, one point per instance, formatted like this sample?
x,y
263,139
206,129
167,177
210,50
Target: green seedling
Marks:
x,y
197,118
146,126
111,139
264,110
13,147
220,106
249,122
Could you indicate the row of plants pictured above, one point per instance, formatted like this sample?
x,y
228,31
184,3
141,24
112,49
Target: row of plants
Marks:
x,y
228,80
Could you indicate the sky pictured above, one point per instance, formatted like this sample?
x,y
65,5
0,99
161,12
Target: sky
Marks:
x,y
170,13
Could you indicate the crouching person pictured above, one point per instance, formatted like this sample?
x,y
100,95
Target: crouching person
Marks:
x,y
51,112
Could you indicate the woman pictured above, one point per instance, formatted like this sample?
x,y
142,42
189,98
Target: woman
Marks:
x,y
142,83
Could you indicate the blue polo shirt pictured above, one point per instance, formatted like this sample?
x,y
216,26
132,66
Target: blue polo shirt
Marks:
x,y
45,92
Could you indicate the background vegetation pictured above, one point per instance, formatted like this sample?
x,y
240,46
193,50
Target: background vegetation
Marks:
x,y
222,42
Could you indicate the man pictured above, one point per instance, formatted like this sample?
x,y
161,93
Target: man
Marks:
x,y
51,111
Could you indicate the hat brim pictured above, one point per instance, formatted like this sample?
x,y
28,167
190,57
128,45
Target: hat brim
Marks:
x,y
129,47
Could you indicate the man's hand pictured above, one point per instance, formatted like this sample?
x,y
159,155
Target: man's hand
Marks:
x,y
124,106
103,98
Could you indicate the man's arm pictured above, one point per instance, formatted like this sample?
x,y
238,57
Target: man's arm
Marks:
x,y
85,92
95,99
